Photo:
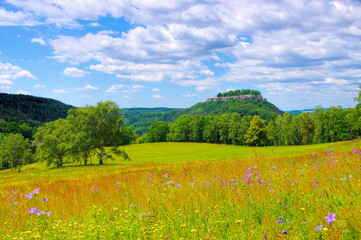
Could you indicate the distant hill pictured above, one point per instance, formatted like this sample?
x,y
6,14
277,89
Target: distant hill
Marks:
x,y
141,118
17,107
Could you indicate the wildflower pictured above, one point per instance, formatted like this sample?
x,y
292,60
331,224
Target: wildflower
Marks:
x,y
239,221
48,213
32,210
177,185
165,175
284,232
36,191
45,199
279,222
325,229
38,212
319,228
330,218
30,195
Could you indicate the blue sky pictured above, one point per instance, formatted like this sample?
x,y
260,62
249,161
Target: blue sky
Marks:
x,y
173,53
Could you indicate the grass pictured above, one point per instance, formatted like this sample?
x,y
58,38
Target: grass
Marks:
x,y
191,191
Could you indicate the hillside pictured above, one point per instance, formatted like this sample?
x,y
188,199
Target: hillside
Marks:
x,y
17,107
141,118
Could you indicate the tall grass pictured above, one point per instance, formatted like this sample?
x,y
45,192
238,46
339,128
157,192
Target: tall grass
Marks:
x,y
250,197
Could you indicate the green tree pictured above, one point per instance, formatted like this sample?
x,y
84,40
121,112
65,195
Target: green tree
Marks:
x,y
223,128
102,126
14,150
52,142
271,131
245,123
234,126
181,130
158,132
210,133
256,133
198,128
307,128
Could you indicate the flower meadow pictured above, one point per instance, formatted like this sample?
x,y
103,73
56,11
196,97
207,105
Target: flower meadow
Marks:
x,y
315,195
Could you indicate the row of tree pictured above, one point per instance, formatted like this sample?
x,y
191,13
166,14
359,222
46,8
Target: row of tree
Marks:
x,y
320,126
84,132
239,93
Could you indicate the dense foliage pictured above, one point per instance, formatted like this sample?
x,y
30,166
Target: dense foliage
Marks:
x,y
320,126
17,107
141,118
85,131
239,93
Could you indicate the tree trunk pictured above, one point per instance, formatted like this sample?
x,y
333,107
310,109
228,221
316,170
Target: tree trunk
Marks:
x,y
101,154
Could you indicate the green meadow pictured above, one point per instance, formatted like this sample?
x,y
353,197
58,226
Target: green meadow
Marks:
x,y
190,191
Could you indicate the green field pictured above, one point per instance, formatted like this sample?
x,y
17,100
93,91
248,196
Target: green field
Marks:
x,y
190,191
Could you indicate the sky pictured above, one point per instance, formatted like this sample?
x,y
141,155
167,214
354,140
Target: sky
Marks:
x,y
175,53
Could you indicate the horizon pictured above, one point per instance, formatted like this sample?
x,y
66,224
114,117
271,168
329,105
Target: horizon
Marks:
x,y
175,54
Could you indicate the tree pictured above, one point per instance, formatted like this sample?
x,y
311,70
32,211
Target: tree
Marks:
x,y
223,128
14,150
234,125
271,131
198,128
180,130
307,128
101,126
256,133
52,142
158,132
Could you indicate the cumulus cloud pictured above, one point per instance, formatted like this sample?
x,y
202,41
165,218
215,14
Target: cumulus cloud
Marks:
x,y
270,44
74,72
39,86
9,73
158,96
60,91
38,40
124,88
87,87
155,90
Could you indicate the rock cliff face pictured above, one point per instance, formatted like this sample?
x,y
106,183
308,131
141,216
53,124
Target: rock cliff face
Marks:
x,y
240,98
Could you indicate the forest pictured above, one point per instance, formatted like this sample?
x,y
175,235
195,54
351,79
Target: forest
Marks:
x,y
239,92
320,126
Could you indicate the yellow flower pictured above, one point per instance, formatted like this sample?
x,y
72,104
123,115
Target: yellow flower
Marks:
x,y
193,230
303,209
239,221
325,229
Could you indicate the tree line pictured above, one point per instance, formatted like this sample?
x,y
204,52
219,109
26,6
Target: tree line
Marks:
x,y
320,126
239,93
84,132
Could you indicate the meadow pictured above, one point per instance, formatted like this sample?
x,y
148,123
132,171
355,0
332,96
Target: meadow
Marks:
x,y
190,191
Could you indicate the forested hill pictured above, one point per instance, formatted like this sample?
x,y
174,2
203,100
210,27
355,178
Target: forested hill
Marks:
x,y
17,107
141,118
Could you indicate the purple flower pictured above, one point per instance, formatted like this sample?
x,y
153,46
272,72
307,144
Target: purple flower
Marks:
x,y
38,212
265,236
48,213
32,210
36,191
330,218
30,195
284,232
165,175
319,228
279,221
45,199
177,185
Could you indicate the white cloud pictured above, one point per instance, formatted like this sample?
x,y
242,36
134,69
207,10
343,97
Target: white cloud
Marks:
x,y
158,96
189,95
74,72
155,90
125,88
22,92
60,91
9,18
38,40
94,24
87,87
84,96
39,86
9,72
